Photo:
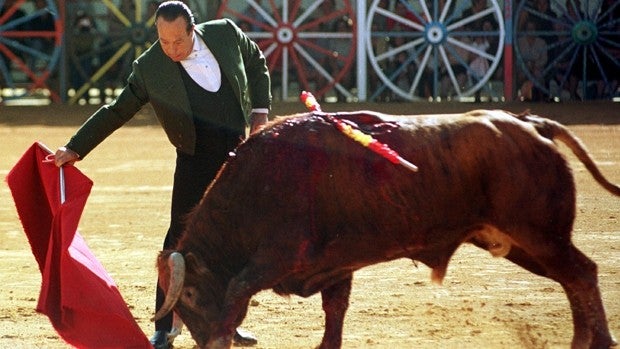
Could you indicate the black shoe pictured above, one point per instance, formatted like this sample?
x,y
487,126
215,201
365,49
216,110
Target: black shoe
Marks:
x,y
244,338
160,340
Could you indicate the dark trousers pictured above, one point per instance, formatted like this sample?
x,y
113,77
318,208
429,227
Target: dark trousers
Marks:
x,y
192,176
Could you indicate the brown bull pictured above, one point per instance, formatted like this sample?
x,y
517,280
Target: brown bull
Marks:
x,y
299,207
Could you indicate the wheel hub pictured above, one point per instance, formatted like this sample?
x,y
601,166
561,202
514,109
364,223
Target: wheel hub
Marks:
x,y
584,32
138,34
285,34
435,33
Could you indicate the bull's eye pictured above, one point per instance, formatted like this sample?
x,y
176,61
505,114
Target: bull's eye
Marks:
x,y
189,296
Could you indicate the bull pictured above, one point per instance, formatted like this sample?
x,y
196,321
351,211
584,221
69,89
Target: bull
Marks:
x,y
299,207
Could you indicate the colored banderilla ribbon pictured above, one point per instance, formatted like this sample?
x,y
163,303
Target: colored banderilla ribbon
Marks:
x,y
364,139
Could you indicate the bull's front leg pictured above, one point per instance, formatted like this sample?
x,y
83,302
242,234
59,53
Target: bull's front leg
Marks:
x,y
251,280
231,316
335,305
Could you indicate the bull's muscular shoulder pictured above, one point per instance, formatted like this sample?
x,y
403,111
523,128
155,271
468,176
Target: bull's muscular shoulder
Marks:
x,y
367,121
366,117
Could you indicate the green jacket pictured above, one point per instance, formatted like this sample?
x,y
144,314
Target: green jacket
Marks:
x,y
156,79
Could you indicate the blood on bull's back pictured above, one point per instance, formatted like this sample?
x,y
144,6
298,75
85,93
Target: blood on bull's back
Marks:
x,y
472,171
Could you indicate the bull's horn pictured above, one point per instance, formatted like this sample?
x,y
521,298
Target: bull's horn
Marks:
x,y
176,267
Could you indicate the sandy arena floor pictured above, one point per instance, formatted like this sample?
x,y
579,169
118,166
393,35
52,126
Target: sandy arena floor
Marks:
x,y
484,302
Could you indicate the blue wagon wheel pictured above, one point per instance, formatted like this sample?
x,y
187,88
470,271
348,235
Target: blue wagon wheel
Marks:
x,y
422,50
30,45
312,47
582,41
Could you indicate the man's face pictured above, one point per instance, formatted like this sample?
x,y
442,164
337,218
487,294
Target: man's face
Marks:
x,y
175,40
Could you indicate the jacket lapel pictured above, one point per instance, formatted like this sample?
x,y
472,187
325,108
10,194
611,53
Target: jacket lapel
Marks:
x,y
169,83
221,53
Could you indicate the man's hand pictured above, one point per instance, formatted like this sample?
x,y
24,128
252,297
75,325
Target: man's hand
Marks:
x,y
65,155
258,121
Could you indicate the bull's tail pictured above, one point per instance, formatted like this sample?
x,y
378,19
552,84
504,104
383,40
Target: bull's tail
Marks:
x,y
553,130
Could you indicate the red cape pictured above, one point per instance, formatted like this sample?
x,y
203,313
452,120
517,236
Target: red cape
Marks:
x,y
77,294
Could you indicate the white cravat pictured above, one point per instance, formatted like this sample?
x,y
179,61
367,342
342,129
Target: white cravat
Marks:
x,y
202,66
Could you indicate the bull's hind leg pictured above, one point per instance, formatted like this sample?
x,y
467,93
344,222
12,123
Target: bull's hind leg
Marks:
x,y
578,276
335,305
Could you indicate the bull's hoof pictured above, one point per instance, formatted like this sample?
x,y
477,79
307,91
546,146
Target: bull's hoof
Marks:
x,y
608,342
219,343
614,342
244,338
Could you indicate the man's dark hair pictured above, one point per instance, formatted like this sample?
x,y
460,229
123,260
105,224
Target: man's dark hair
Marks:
x,y
171,10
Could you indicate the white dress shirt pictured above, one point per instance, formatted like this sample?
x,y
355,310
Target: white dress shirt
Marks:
x,y
203,68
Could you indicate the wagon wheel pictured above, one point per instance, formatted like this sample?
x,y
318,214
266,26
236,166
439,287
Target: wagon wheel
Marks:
x,y
108,60
30,45
301,44
433,49
583,50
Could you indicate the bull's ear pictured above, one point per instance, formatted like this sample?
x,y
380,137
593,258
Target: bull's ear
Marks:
x,y
196,265
191,261
162,257
162,264
198,270
163,270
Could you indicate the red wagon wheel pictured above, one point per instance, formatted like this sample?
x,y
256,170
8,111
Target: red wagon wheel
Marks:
x,y
30,45
312,47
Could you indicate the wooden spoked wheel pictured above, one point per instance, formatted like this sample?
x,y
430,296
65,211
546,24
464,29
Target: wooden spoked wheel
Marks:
x,y
307,48
103,59
30,46
421,50
578,45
